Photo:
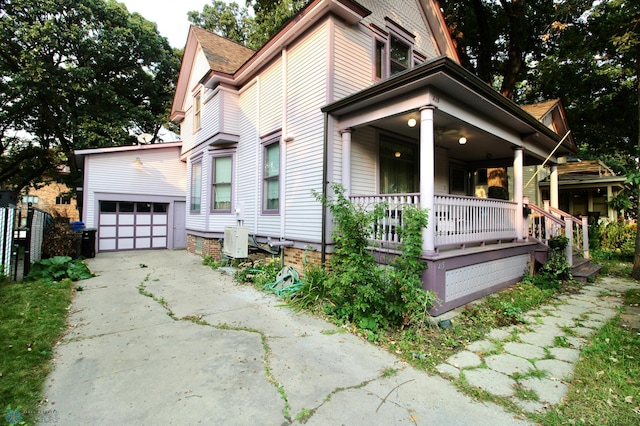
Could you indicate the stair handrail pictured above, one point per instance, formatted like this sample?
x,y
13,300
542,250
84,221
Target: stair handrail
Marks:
x,y
584,222
563,220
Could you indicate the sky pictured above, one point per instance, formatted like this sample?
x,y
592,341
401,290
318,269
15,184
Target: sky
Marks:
x,y
169,15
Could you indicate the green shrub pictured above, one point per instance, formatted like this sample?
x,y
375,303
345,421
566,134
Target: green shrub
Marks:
x,y
259,272
58,268
360,290
618,238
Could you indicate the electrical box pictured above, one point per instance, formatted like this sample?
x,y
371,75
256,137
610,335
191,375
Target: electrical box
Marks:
x,y
236,242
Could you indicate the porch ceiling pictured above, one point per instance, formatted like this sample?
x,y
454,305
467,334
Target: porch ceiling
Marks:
x,y
464,106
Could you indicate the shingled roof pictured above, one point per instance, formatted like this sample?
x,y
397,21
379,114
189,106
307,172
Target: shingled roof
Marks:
x,y
223,55
540,109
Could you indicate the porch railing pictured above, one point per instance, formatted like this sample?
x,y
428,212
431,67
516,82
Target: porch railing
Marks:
x,y
458,220
548,222
385,232
462,220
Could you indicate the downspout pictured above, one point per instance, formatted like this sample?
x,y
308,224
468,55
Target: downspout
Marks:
x,y
323,244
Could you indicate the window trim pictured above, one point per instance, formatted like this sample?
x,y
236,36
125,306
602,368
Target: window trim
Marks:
x,y
383,38
268,141
213,156
192,210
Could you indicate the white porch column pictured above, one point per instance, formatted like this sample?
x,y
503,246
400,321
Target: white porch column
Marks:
x,y
346,160
553,187
427,175
518,189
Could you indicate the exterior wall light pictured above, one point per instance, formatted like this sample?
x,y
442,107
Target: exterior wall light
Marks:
x,y
137,162
397,154
462,140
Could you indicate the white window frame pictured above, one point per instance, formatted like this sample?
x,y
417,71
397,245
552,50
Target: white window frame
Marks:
x,y
268,142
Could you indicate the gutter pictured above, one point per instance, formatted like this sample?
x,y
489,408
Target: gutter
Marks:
x,y
323,233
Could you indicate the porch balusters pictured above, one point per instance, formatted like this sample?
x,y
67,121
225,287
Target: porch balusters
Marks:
x,y
457,220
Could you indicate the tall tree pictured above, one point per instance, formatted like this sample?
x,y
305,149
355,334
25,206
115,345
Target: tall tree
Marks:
x,y
76,74
498,39
252,25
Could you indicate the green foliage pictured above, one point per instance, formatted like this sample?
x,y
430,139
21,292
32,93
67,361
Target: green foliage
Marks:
x,y
59,268
616,238
259,272
551,275
359,289
32,320
250,28
76,74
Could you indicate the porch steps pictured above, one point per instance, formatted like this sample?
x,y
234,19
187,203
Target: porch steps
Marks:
x,y
583,269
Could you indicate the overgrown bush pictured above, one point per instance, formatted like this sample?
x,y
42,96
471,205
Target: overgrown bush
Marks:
x,y
555,270
58,268
616,239
60,240
259,272
358,288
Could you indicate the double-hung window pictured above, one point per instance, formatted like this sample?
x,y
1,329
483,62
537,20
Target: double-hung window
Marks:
x,y
196,186
393,50
399,54
221,184
271,176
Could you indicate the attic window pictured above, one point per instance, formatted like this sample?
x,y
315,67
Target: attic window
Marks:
x,y
398,56
393,50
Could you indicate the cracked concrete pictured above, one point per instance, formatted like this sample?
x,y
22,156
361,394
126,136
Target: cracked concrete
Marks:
x,y
543,358
157,338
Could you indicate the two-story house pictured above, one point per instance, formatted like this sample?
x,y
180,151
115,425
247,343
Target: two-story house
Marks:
x,y
371,95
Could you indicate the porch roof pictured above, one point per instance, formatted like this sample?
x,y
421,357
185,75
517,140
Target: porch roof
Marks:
x,y
463,100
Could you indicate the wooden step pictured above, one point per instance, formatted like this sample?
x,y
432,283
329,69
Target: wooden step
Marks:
x,y
585,270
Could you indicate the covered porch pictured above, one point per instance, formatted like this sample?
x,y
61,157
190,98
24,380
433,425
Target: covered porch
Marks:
x,y
438,138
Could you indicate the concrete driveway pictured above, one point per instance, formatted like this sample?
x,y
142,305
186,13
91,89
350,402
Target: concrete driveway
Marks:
x,y
156,338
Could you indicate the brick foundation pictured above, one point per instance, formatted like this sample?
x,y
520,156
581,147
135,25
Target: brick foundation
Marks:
x,y
295,257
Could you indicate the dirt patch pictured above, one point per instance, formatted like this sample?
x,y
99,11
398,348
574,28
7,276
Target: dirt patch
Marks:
x,y
630,318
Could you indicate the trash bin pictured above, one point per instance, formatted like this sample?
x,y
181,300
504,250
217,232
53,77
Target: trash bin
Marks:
x,y
88,243
77,226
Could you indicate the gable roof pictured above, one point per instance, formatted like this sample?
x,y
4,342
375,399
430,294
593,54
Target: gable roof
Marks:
x,y
233,63
222,54
540,109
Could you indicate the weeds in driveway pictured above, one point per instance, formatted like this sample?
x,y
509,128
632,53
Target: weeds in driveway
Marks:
x,y
32,320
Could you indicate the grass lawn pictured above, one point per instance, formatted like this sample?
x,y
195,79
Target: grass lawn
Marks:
x,y
32,319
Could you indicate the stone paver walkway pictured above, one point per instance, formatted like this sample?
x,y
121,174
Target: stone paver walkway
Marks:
x,y
533,364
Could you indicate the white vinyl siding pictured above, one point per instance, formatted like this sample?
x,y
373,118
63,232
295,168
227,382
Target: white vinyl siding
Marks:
x,y
364,161
408,15
271,99
187,135
160,174
248,169
306,94
352,58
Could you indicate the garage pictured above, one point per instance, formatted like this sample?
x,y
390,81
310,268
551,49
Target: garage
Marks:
x,y
127,225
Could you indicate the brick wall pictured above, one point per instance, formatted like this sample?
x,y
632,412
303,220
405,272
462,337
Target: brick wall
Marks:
x,y
292,256
47,201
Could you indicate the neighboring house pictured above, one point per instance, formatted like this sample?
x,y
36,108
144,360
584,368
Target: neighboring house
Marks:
x,y
134,196
585,188
54,198
371,95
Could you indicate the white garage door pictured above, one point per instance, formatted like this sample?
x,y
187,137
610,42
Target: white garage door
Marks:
x,y
125,225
